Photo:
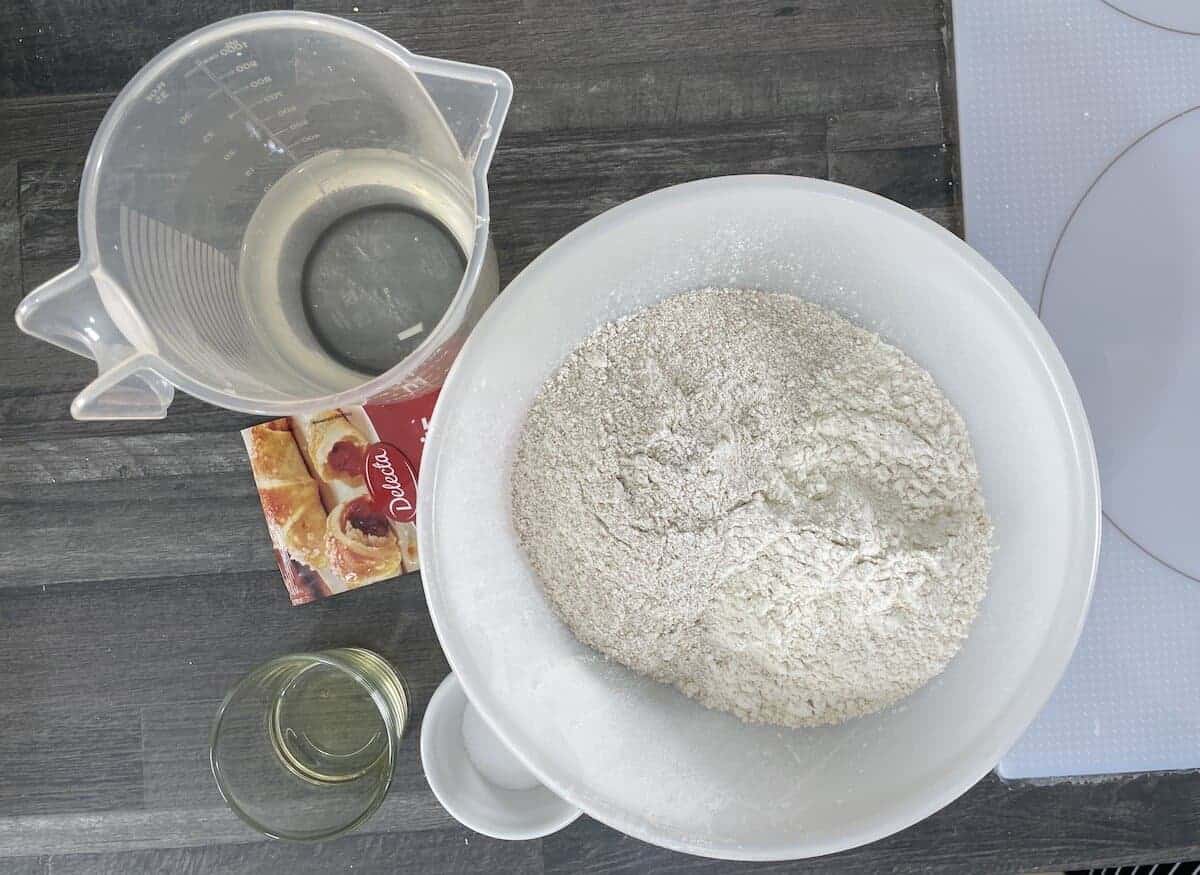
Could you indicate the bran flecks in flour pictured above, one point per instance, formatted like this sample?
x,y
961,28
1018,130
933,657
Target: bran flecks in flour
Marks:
x,y
747,496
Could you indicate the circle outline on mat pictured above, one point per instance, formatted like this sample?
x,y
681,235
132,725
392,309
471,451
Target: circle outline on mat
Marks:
x,y
1112,4
1046,280
1085,507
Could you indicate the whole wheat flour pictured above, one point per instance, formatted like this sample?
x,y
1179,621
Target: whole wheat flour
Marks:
x,y
746,496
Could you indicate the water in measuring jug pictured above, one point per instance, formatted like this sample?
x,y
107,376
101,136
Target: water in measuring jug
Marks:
x,y
353,257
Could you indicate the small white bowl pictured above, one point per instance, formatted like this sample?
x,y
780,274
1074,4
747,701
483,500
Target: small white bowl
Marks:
x,y
477,779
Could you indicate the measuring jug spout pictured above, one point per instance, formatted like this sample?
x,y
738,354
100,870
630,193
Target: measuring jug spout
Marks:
x,y
473,101
68,312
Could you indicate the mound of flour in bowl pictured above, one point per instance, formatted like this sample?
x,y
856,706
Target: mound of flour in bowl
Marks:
x,y
746,496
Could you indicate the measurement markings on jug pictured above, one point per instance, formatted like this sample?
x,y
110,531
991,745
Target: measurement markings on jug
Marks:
x,y
249,113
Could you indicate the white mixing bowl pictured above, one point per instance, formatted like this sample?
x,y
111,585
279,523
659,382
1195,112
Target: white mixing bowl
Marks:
x,y
640,756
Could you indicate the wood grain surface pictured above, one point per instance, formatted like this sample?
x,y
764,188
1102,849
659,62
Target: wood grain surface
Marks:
x,y
136,581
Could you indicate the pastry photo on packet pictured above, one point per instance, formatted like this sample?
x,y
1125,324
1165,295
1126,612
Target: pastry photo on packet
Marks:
x,y
338,496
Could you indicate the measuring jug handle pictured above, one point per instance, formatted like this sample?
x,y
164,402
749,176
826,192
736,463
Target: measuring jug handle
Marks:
x,y
68,312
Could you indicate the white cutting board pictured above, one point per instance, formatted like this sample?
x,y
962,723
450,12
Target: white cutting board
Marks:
x,y
1081,183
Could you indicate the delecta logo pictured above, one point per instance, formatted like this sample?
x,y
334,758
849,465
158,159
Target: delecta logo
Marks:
x,y
391,481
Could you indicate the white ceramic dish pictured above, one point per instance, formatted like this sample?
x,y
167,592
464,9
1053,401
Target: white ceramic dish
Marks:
x,y
472,786
640,756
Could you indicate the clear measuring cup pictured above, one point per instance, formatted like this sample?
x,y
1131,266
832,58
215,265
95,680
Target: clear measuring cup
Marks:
x,y
220,166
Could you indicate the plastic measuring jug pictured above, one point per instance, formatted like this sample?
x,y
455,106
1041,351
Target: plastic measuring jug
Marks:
x,y
215,169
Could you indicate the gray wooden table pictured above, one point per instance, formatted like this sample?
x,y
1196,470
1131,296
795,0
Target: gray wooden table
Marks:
x,y
136,582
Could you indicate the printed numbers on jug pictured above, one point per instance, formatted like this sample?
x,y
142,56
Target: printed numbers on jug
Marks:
x,y
233,47
294,126
158,94
266,98
254,83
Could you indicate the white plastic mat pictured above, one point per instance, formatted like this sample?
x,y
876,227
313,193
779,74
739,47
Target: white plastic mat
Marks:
x,y
1074,124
